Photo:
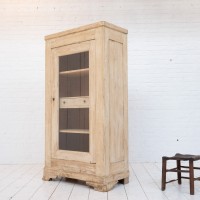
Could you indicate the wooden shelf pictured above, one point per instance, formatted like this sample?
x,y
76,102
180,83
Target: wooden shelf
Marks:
x,y
81,131
75,71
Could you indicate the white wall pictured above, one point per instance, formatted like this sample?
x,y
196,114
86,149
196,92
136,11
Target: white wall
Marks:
x,y
164,72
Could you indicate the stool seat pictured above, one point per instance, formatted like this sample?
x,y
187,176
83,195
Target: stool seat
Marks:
x,y
183,157
179,169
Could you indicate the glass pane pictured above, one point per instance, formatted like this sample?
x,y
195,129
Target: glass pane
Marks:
x,y
74,82
74,61
74,142
74,75
74,118
73,85
74,129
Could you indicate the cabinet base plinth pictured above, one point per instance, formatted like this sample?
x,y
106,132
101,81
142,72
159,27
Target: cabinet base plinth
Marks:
x,y
102,187
99,183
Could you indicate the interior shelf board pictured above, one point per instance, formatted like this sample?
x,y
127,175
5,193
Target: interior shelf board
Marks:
x,y
74,71
82,131
76,97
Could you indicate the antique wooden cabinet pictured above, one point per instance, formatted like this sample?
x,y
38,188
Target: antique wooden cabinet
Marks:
x,y
86,105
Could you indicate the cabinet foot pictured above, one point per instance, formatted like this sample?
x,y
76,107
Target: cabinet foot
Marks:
x,y
47,177
102,187
124,181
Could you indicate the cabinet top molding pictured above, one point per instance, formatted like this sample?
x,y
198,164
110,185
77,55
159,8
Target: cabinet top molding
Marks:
x,y
87,27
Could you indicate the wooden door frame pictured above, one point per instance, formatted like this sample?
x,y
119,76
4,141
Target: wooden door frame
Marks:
x,y
67,50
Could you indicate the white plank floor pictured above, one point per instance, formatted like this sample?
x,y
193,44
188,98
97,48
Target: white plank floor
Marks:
x,y
23,182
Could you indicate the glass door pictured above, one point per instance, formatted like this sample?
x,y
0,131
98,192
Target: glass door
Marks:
x,y
73,132
74,104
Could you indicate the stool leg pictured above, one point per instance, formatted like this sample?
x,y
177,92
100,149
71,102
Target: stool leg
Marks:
x,y
164,166
191,169
179,173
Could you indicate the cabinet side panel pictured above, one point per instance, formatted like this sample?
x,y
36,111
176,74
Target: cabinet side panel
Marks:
x,y
125,76
116,101
101,147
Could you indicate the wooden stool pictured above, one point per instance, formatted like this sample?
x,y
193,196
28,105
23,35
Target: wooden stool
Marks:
x,y
180,157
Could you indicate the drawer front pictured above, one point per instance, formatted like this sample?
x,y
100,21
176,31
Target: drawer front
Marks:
x,y
74,102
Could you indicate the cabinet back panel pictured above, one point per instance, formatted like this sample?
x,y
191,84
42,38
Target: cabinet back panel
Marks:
x,y
74,142
74,118
74,61
75,84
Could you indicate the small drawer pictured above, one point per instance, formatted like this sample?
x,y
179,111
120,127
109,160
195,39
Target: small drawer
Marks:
x,y
74,102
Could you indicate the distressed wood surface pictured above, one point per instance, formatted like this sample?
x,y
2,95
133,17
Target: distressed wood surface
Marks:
x,y
103,77
87,27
